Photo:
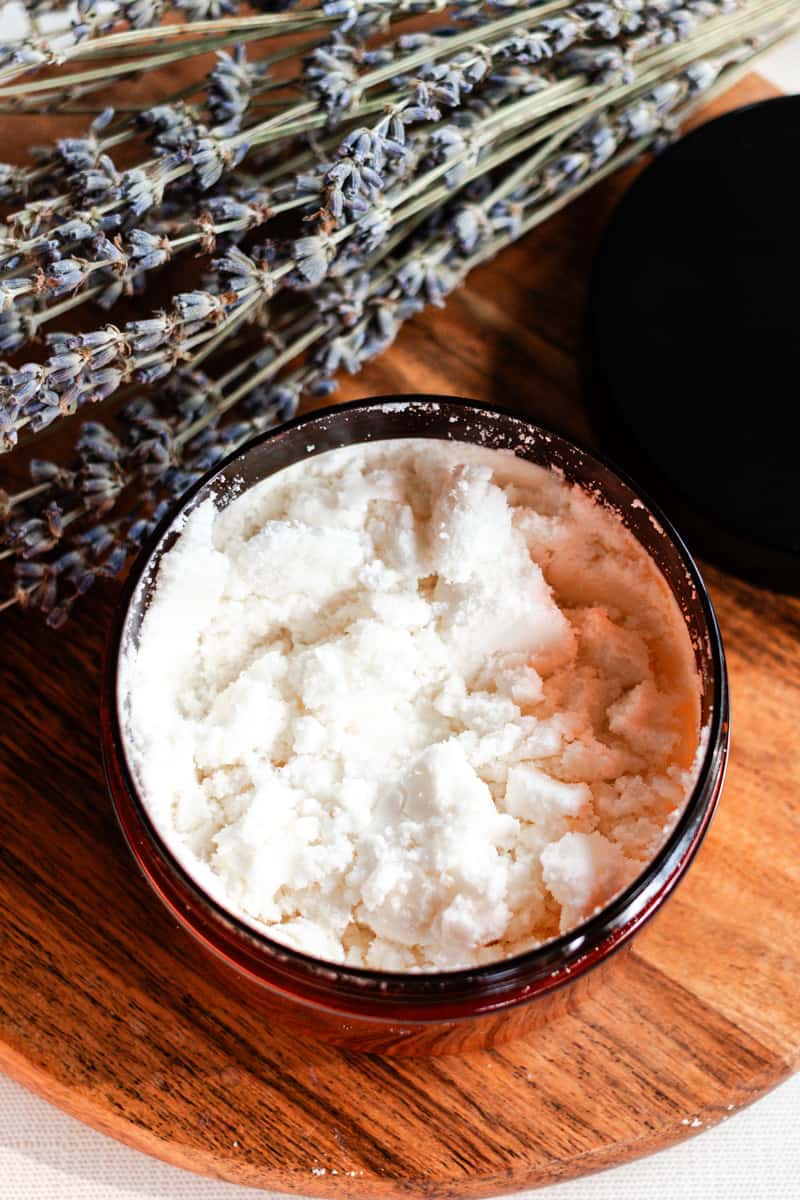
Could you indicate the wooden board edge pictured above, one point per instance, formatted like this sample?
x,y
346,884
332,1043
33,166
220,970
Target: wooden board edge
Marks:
x,y
90,1112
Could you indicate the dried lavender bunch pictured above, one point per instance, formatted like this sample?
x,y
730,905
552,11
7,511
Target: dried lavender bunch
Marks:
x,y
340,74
358,198
326,223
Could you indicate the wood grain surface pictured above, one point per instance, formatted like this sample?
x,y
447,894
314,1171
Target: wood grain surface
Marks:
x,y
105,1008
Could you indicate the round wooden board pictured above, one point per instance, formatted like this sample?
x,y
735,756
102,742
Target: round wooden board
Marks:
x,y
105,1007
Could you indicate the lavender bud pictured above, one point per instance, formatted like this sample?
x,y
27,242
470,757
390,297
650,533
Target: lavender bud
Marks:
x,y
150,333
115,563
154,372
314,256
148,250
197,306
97,540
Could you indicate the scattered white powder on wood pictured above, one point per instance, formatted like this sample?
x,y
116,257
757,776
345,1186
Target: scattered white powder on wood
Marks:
x,y
415,705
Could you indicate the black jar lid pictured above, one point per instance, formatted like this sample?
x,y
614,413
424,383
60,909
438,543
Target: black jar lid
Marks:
x,y
694,338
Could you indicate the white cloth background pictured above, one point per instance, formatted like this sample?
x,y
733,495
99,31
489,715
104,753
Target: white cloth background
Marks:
x,y
754,1156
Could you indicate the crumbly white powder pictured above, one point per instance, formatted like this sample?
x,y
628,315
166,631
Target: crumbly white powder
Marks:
x,y
415,705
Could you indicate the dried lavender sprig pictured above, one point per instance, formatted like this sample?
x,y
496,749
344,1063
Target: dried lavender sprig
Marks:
x,y
38,579
230,86
26,247
565,167
38,582
203,397
359,18
88,368
132,256
33,53
356,17
73,271
149,191
35,535
493,246
241,27
42,397
631,123
304,329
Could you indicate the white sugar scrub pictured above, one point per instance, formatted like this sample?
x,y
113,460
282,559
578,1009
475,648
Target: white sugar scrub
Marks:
x,y
414,705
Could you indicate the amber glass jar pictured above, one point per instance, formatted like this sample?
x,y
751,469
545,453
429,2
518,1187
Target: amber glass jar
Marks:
x,y
458,1010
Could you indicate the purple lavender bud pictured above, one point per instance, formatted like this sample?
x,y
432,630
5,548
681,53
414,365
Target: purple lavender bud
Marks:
x,y
358,144
335,203
138,410
339,172
97,540
286,401
206,10
639,120
150,333
67,562
141,14
105,355
236,432
323,386
137,532
97,339
374,228
313,256
41,470
209,458
410,277
159,512
414,41
66,275
139,191
357,205
15,330
604,19
154,372
561,31
526,48
75,230
42,417
148,250
420,113
102,384
208,158
98,489
471,226
197,306
226,208
115,563
60,342
701,75
27,572
81,579
63,368
104,249
58,400
29,56
25,383
55,520
102,120
96,443
59,614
